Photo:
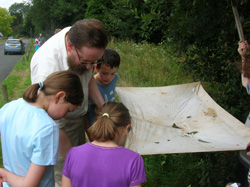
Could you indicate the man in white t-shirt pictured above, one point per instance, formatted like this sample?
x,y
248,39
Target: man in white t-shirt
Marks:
x,y
76,48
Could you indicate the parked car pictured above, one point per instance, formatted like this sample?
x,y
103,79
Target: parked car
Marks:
x,y
14,46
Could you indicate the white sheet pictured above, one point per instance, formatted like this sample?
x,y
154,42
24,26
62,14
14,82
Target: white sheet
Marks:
x,y
180,119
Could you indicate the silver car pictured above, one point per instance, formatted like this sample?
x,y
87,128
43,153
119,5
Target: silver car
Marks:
x,y
14,46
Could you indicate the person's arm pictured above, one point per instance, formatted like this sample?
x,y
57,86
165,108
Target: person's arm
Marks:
x,y
137,185
65,182
94,93
241,47
64,143
244,80
32,179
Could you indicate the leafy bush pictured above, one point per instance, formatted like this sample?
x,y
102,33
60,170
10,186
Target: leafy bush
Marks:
x,y
117,18
196,169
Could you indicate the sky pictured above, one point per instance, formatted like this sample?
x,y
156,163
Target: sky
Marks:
x,y
7,3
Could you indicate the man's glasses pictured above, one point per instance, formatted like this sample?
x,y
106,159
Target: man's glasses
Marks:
x,y
86,62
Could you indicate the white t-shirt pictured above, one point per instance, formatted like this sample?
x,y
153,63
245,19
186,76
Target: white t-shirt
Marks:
x,y
52,57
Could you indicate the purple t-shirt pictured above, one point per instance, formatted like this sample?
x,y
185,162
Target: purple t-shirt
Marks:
x,y
91,165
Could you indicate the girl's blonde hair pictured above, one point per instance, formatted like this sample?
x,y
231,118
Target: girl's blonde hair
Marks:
x,y
111,118
66,81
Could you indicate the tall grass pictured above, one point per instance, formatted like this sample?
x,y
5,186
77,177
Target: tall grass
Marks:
x,y
147,65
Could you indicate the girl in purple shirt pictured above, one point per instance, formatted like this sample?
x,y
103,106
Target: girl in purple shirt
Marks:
x,y
105,162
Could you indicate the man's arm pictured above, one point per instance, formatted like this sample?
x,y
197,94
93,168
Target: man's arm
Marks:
x,y
94,93
64,143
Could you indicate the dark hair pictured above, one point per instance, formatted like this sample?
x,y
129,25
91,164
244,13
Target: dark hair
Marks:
x,y
88,33
110,58
108,127
66,81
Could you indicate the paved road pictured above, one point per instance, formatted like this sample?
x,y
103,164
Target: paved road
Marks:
x,y
7,62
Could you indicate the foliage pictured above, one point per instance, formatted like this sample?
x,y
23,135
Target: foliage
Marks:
x,y
5,21
196,169
65,13
243,8
117,18
152,17
28,28
19,11
41,16
48,15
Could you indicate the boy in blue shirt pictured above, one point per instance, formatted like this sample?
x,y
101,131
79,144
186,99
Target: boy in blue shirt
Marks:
x,y
106,79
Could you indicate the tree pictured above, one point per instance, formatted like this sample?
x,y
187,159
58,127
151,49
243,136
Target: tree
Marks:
x,y
152,18
47,15
5,21
19,10
28,28
116,16
41,16
67,12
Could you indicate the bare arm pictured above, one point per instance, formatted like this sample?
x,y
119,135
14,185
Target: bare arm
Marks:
x,y
139,185
244,80
94,93
65,182
64,143
32,179
241,48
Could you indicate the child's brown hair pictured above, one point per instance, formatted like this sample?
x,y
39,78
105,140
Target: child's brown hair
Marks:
x,y
66,81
